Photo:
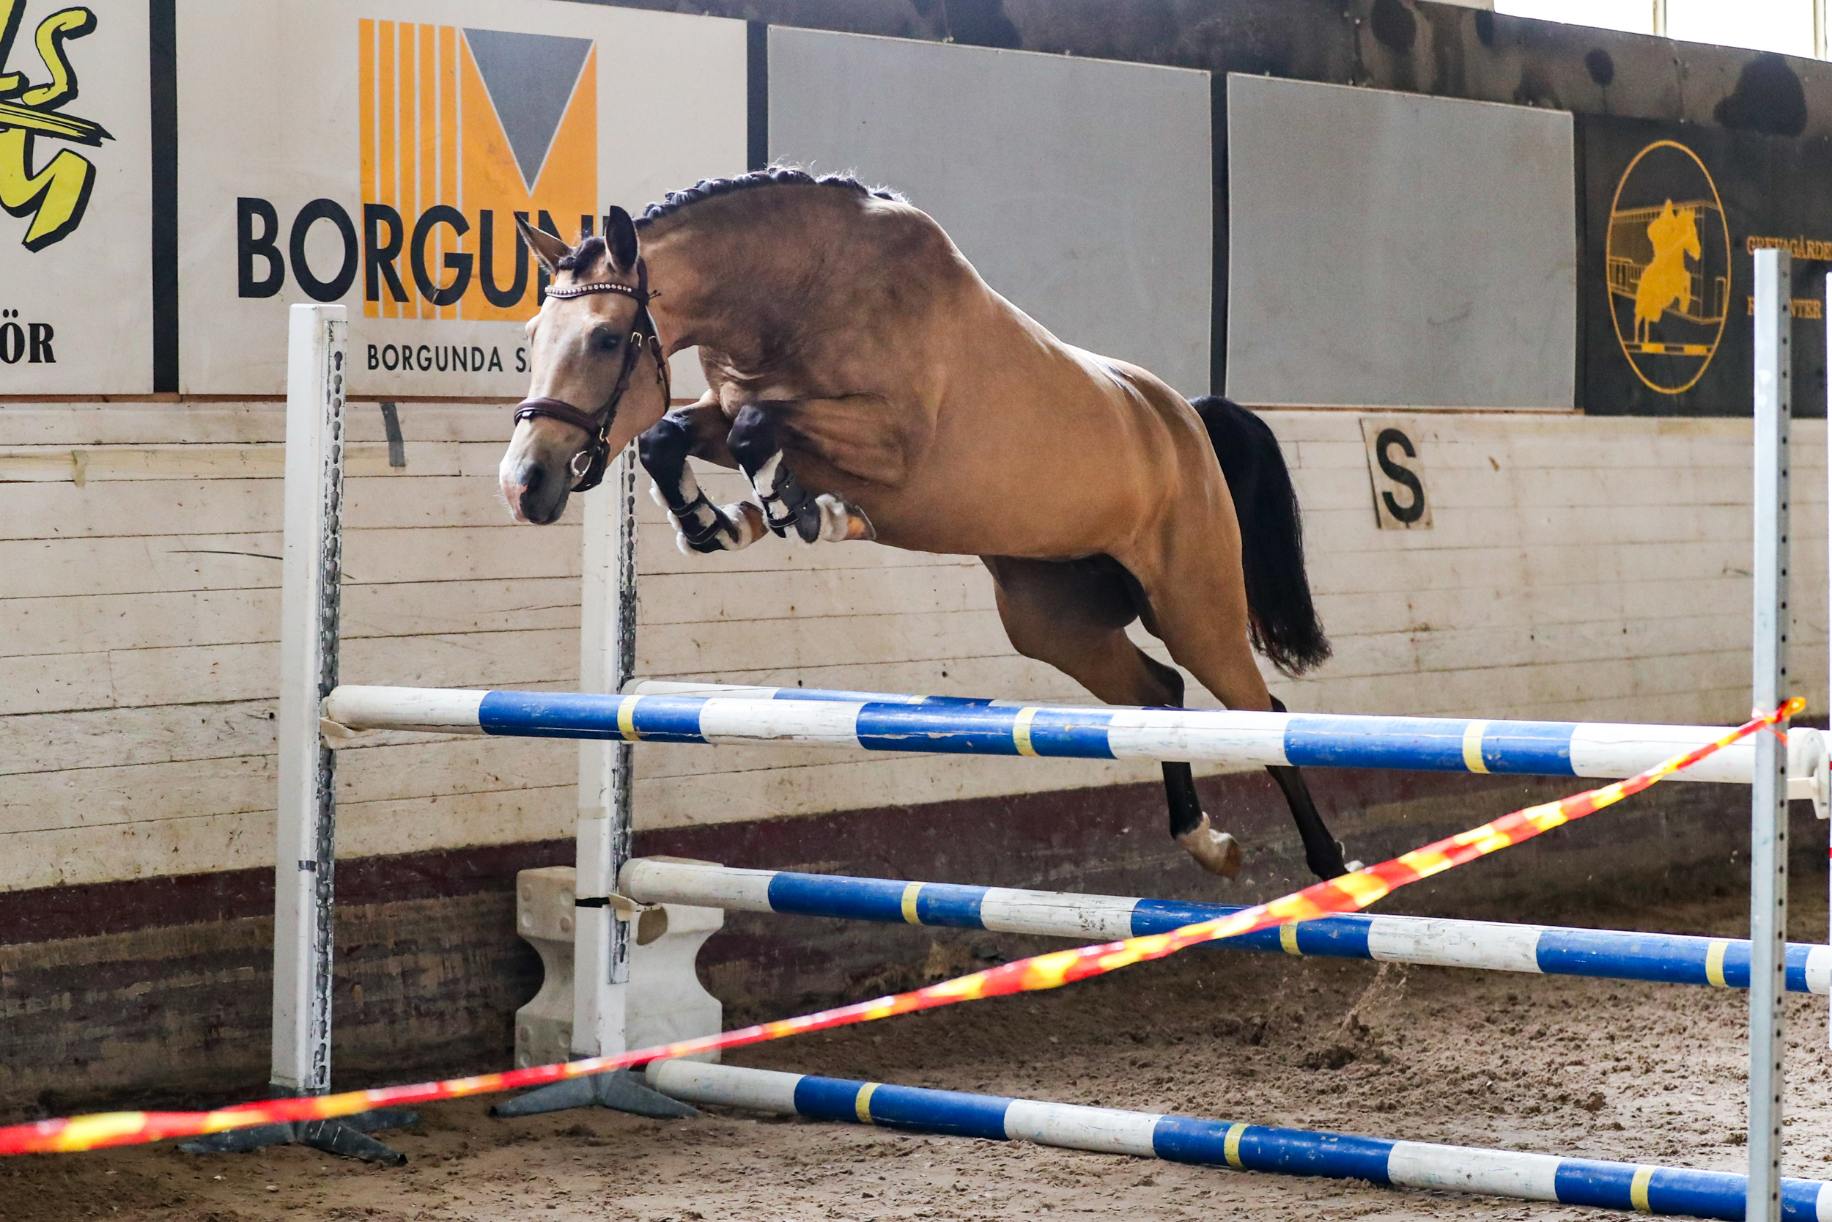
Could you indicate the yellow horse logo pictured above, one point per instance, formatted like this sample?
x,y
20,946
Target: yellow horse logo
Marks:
x,y
1667,267
1667,280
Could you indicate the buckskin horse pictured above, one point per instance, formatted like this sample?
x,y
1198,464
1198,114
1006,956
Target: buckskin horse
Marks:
x,y
871,385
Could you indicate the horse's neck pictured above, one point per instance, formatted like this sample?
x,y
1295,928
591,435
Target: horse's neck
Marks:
x,y
729,274
819,292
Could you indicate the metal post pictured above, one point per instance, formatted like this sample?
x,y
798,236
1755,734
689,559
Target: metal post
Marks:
x,y
1768,789
305,813
1821,808
601,934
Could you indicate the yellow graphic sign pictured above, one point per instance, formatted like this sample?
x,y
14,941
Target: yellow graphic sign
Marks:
x,y
1667,261
460,129
56,194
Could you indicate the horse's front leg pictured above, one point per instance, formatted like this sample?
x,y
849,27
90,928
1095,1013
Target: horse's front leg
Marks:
x,y
699,525
856,435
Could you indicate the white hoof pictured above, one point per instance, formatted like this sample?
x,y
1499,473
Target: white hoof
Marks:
x,y
1356,866
841,522
834,518
746,518
1216,852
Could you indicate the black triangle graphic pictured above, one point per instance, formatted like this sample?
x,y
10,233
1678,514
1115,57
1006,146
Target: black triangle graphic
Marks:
x,y
530,78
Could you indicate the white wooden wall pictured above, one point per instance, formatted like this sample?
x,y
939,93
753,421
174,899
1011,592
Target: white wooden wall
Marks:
x,y
1577,567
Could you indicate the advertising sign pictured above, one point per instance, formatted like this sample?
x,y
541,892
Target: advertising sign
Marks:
x,y
377,152
75,197
1673,217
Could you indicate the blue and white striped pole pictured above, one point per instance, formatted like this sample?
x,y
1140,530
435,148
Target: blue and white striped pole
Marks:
x,y
1484,945
840,720
1218,1143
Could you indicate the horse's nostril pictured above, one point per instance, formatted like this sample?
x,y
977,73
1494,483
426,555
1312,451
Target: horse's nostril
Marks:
x,y
542,495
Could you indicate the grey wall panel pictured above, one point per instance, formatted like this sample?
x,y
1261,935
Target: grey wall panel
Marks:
x,y
1391,250
1080,189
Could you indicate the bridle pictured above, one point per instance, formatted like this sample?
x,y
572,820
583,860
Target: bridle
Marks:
x,y
589,465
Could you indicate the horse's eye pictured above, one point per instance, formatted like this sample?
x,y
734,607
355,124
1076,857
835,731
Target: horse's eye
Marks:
x,y
608,339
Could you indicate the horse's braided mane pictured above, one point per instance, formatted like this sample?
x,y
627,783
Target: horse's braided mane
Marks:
x,y
587,253
769,176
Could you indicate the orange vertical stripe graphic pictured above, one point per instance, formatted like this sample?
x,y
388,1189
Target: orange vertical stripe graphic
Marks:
x,y
490,178
409,151
448,142
365,122
386,165
429,146
430,134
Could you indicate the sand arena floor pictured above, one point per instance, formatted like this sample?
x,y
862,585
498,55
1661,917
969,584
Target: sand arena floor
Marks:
x,y
1584,1067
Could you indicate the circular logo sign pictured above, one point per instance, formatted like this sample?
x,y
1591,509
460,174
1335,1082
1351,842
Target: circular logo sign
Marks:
x,y
1667,262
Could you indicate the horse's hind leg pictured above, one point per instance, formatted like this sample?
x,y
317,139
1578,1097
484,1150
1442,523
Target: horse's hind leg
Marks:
x,y
1190,577
1073,616
1322,852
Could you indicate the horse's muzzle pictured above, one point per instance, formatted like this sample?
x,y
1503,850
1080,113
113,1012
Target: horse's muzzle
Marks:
x,y
534,494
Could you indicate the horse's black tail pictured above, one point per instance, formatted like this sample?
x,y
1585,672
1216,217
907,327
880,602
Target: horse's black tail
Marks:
x,y
1282,619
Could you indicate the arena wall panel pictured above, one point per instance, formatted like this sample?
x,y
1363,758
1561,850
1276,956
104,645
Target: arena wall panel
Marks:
x,y
1367,264
1106,163
138,656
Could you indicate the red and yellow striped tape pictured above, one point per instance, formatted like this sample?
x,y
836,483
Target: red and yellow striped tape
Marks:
x,y
1349,893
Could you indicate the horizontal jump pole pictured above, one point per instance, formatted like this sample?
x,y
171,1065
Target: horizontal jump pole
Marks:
x,y
1484,945
904,723
1670,1191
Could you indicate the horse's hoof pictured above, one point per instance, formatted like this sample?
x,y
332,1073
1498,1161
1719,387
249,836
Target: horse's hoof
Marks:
x,y
747,523
1334,866
811,523
733,528
841,522
1216,852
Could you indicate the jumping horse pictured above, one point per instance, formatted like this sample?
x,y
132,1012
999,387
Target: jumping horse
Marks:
x,y
871,385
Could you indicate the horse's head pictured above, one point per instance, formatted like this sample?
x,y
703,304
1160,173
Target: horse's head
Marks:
x,y
598,373
1676,228
1692,244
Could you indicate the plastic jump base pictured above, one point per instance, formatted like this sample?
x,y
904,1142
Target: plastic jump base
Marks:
x,y
907,723
1486,945
1218,1143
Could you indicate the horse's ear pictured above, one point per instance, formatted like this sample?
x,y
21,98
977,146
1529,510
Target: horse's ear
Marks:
x,y
620,238
547,248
